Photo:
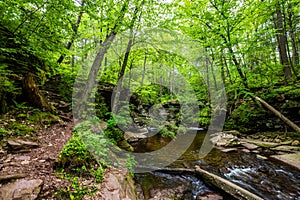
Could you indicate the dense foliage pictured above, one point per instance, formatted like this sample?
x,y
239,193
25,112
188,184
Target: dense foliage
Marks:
x,y
249,47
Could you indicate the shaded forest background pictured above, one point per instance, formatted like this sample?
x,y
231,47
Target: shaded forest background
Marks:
x,y
255,45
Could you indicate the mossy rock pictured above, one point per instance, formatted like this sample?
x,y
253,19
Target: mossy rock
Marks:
x,y
125,145
75,155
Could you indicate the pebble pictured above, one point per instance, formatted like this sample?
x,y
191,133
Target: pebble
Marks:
x,y
277,140
295,143
246,150
25,162
22,158
229,150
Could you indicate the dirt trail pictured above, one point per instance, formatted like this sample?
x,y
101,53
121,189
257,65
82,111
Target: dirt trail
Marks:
x,y
38,163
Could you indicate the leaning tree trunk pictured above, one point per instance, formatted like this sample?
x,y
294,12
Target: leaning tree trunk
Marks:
x,y
33,95
278,114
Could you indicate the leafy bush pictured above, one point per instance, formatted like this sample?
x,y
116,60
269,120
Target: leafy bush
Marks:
x,y
7,89
77,190
166,133
75,155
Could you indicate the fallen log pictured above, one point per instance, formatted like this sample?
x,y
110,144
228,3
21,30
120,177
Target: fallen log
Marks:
x,y
213,180
278,114
227,186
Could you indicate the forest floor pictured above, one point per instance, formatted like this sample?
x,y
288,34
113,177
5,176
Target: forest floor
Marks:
x,y
38,163
33,156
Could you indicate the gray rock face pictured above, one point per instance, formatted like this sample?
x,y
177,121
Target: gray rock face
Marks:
x,y
290,159
116,185
133,137
21,190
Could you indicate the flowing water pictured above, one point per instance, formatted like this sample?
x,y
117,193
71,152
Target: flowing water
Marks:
x,y
268,179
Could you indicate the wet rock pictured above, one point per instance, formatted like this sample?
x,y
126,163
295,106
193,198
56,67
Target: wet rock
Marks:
x,y
209,196
295,143
229,150
261,157
16,145
125,145
277,140
286,148
232,132
246,150
290,159
223,139
260,143
133,137
288,142
249,145
21,190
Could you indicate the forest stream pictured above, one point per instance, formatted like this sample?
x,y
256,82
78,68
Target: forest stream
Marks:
x,y
266,178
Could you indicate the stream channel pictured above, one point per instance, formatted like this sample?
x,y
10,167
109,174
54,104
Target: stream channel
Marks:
x,y
266,178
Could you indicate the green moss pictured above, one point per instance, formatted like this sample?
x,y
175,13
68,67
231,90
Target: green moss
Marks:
x,y
45,118
76,191
125,145
247,117
3,133
20,129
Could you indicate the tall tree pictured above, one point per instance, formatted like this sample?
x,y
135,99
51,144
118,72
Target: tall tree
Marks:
x,y
282,41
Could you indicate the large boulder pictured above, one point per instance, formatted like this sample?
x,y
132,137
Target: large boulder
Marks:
x,y
116,185
21,190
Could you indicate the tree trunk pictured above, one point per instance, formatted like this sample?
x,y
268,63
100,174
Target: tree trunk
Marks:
x,y
126,56
281,39
81,105
75,30
33,95
144,69
129,44
278,114
291,16
234,59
